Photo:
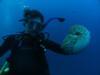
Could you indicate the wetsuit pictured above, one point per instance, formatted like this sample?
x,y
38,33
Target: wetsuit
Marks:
x,y
27,53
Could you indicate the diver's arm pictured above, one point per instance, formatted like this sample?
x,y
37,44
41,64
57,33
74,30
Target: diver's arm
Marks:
x,y
49,44
6,45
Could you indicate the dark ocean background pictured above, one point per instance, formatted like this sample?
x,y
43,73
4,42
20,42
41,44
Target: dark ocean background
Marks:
x,y
83,12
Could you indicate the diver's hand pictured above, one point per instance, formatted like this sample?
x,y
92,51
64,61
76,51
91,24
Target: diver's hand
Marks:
x,y
4,69
68,44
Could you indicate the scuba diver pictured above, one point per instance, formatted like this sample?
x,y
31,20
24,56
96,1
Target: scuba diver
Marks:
x,y
28,48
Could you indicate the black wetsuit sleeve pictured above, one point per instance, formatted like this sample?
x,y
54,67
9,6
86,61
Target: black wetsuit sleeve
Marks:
x,y
6,45
53,46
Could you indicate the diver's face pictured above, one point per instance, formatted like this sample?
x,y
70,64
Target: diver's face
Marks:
x,y
32,25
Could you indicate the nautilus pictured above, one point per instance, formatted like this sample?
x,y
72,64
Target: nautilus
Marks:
x,y
77,39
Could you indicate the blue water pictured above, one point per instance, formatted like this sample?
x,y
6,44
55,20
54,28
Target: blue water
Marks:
x,y
84,12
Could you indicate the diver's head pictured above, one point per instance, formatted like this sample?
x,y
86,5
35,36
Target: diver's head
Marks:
x,y
33,21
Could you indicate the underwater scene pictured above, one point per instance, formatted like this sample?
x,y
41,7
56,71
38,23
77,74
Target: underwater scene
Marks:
x,y
49,37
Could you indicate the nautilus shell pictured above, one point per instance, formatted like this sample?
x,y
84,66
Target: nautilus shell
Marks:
x,y
77,39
